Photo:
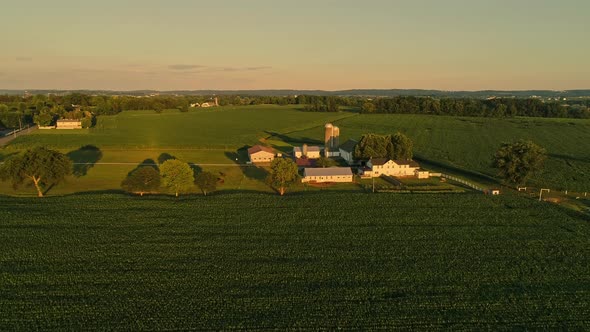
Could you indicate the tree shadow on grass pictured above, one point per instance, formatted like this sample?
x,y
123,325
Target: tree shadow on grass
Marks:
x,y
84,159
293,140
249,171
165,157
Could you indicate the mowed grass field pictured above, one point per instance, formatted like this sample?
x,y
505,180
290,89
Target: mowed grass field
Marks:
x,y
225,128
213,136
257,261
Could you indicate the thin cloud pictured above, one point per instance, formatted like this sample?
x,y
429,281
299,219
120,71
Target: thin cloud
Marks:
x,y
24,58
195,69
184,67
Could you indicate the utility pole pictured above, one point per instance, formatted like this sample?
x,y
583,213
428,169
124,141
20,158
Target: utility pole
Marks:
x,y
541,193
373,182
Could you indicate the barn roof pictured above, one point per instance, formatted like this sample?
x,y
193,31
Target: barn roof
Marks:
x,y
348,146
260,148
329,171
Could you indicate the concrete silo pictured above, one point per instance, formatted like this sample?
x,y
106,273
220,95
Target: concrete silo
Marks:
x,y
329,133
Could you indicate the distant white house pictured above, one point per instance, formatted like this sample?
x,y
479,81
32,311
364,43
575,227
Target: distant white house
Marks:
x,y
210,103
69,124
195,105
347,150
309,152
383,166
422,174
261,154
330,174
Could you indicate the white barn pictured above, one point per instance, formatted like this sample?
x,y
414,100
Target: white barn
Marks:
x,y
261,154
330,174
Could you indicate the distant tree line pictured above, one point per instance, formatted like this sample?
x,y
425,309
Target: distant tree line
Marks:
x,y
16,111
498,107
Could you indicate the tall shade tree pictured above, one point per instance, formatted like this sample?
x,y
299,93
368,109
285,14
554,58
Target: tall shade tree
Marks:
x,y
372,146
40,166
283,173
143,180
400,147
177,176
206,181
518,161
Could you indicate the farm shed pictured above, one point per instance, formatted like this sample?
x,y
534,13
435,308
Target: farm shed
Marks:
x,y
422,174
310,152
69,124
330,174
261,154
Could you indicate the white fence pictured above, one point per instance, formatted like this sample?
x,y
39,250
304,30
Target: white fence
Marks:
x,y
466,183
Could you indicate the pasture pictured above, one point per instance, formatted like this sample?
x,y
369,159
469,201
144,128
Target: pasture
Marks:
x,y
213,136
258,261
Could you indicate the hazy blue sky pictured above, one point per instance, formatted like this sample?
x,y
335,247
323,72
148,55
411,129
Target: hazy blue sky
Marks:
x,y
300,44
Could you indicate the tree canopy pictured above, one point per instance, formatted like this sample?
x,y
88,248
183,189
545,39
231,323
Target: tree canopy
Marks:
x,y
395,147
518,161
325,162
177,176
40,166
143,180
400,147
283,173
206,181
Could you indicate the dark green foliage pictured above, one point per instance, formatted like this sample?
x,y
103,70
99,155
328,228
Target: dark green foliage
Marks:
x,y
177,176
40,166
45,118
145,179
518,161
372,146
325,162
262,262
282,173
206,181
400,147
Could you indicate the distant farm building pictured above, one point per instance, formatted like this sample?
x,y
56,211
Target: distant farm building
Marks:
x,y
211,103
309,152
383,166
261,154
195,105
330,174
347,150
69,124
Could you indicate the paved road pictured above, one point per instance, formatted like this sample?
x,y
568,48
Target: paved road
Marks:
x,y
7,139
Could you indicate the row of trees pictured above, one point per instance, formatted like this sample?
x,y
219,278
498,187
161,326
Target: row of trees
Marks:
x,y
499,107
109,105
394,147
174,175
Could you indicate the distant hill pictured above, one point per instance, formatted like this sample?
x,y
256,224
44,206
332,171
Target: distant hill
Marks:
x,y
353,92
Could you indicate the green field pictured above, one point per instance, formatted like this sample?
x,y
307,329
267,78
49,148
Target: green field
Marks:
x,y
213,136
468,143
256,261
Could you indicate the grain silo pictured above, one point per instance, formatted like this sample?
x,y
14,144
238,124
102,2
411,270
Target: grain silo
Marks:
x,y
304,150
329,133
335,137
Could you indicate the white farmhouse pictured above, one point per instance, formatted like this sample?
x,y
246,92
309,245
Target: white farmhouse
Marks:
x,y
382,166
330,174
69,124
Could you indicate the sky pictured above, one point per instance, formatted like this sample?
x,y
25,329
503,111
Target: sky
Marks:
x,y
295,44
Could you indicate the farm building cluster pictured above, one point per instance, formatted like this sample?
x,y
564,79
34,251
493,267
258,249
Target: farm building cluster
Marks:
x,y
306,157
